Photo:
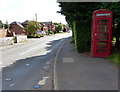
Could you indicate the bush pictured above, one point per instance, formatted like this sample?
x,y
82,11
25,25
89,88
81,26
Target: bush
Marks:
x,y
15,39
51,32
35,36
81,37
58,28
115,58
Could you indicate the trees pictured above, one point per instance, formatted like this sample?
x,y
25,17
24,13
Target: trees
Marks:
x,y
1,24
58,27
6,25
115,7
79,15
32,27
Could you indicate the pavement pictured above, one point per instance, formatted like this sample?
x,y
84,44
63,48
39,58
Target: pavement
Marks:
x,y
80,71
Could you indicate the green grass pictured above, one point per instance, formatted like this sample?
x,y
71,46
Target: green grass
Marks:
x,y
115,58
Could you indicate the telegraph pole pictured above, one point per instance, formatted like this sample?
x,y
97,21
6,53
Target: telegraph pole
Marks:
x,y
36,16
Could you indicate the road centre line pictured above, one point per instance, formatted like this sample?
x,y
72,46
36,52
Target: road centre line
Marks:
x,y
43,81
32,49
28,51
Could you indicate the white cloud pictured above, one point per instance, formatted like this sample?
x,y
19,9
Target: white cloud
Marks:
x,y
21,10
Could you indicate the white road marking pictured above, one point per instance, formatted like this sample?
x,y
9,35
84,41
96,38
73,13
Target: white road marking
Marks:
x,y
28,51
27,64
43,81
12,85
8,79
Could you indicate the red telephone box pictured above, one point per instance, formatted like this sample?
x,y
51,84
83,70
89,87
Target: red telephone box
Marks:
x,y
101,33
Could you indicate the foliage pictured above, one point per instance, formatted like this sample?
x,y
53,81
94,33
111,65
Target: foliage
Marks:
x,y
79,15
34,36
55,23
79,19
6,26
15,39
32,27
115,7
1,24
115,58
81,37
58,27
51,32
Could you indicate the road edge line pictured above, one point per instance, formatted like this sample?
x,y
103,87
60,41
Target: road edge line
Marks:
x,y
55,82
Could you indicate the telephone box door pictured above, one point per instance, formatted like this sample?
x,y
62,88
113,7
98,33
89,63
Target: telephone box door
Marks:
x,y
101,35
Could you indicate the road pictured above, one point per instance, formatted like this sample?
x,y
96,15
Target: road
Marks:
x,y
25,65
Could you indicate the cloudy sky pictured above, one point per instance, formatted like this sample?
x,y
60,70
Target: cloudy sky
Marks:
x,y
21,10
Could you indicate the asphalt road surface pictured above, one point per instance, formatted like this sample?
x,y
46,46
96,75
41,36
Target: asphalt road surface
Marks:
x,y
25,66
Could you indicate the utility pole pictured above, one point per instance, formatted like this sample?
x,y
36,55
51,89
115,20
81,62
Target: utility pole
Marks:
x,y
36,16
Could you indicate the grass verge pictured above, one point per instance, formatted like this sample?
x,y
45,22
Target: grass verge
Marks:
x,y
115,58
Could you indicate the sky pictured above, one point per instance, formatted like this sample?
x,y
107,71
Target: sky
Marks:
x,y
21,10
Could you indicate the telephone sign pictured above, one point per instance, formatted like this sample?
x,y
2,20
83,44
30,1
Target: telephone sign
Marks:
x,y
106,14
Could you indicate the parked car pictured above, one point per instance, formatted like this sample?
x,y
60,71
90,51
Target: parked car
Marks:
x,y
41,32
69,31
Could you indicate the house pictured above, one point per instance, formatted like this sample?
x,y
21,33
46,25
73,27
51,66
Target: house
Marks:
x,y
18,28
48,25
25,23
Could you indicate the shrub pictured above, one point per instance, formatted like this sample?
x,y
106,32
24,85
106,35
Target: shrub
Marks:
x,y
81,37
51,32
34,36
15,39
115,58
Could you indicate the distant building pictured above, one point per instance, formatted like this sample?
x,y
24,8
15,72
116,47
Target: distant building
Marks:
x,y
24,24
18,28
48,25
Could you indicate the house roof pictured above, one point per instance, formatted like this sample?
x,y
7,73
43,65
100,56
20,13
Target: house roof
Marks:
x,y
42,24
17,23
25,22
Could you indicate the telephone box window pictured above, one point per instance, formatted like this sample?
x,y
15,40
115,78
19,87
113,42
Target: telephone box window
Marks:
x,y
103,21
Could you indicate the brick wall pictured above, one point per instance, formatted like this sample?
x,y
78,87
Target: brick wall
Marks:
x,y
3,32
17,29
